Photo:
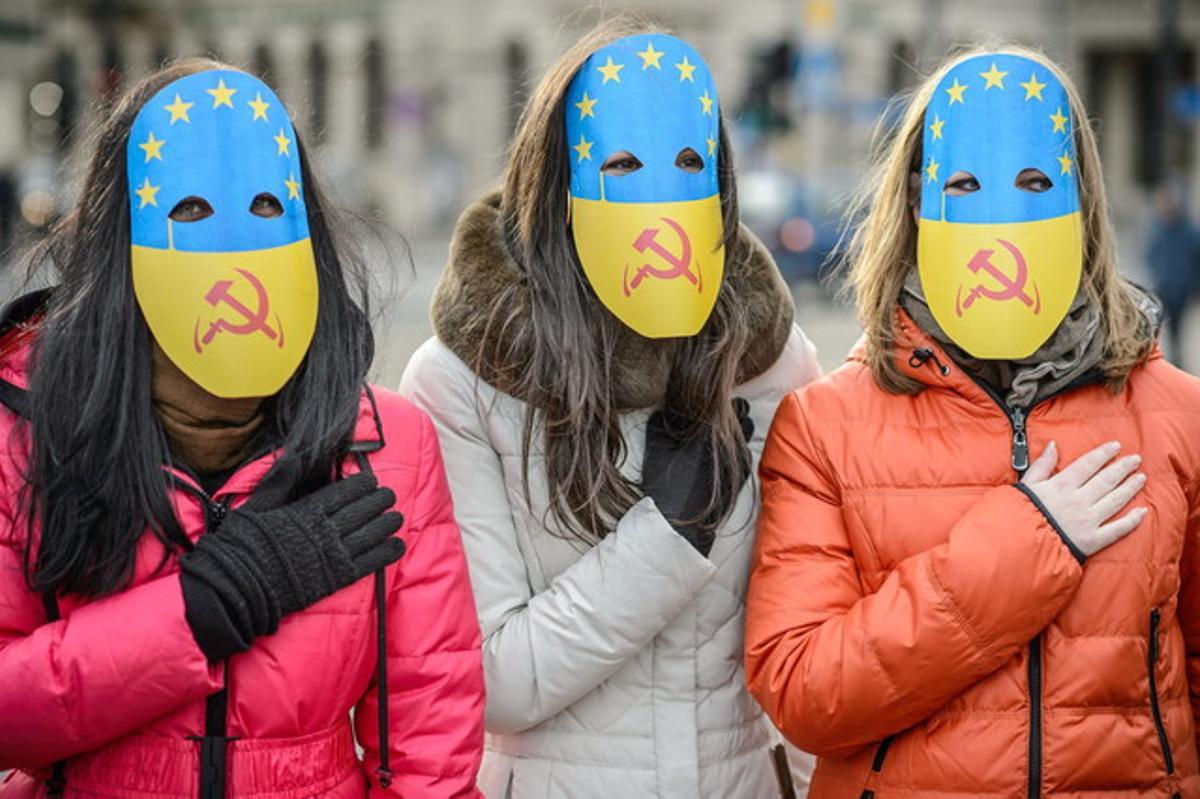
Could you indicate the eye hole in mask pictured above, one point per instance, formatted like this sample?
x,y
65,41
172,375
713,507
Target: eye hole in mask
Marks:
x,y
689,160
1033,180
191,209
960,183
620,163
266,205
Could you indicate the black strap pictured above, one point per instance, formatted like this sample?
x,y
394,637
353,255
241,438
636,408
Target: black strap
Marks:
x,y
783,772
214,743
384,772
15,398
56,786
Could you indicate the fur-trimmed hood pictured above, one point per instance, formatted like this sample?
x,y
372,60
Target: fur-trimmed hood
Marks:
x,y
481,266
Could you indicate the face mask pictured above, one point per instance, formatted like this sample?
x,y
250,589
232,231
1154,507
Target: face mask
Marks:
x,y
230,297
650,241
999,264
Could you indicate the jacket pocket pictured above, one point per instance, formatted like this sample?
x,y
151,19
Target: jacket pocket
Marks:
x,y
881,752
1155,711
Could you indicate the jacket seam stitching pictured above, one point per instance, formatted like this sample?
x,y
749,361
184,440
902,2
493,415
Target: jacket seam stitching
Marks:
x,y
956,613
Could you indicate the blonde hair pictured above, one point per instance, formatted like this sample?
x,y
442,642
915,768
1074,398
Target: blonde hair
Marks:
x,y
882,248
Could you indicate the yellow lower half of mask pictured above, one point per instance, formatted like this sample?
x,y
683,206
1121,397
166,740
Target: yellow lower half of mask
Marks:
x,y
656,266
237,323
999,291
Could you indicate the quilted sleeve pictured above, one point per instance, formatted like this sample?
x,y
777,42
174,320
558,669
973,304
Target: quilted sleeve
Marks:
x,y
109,668
1189,600
836,667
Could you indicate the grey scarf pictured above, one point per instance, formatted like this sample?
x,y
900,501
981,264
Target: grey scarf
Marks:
x,y
1071,351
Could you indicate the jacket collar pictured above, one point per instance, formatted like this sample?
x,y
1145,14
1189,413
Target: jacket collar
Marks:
x,y
481,268
18,327
920,357
923,359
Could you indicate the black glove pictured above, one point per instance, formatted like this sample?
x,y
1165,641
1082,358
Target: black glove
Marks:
x,y
261,565
677,475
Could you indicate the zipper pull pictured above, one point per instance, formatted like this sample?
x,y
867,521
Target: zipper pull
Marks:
x,y
216,514
1020,442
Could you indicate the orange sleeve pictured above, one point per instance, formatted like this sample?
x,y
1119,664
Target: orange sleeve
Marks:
x,y
1188,610
837,668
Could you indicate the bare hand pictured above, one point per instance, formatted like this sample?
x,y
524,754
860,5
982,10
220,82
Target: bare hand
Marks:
x,y
1086,494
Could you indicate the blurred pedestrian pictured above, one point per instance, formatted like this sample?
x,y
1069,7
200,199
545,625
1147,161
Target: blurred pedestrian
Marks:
x,y
198,486
936,607
1172,258
611,346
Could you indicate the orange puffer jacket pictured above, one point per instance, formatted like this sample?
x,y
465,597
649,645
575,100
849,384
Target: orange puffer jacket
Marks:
x,y
921,625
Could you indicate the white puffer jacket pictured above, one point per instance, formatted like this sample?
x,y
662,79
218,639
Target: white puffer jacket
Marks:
x,y
612,671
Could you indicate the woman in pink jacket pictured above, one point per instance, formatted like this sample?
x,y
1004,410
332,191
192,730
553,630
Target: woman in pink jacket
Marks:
x,y
224,560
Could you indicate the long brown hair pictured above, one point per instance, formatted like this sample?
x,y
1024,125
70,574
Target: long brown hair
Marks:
x,y
882,248
571,347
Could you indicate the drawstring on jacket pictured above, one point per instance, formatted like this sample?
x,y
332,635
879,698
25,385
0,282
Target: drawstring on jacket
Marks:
x,y
921,355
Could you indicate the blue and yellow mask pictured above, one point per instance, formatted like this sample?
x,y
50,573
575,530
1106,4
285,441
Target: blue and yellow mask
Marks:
x,y
650,241
999,264
223,267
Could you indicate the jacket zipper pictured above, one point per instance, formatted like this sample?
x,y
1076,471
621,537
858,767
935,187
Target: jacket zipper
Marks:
x,y
1019,460
1017,420
1155,711
214,743
877,763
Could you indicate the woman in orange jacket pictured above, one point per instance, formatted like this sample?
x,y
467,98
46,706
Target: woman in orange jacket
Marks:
x,y
933,611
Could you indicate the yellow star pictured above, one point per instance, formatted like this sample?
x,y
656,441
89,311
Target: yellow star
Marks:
x,y
650,57
956,92
584,148
611,71
153,147
685,70
994,77
222,95
585,107
293,187
147,194
1065,162
1060,121
936,126
707,102
1033,88
931,170
712,147
284,142
179,109
260,107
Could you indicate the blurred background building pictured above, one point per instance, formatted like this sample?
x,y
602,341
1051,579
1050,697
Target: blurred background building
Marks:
x,y
408,105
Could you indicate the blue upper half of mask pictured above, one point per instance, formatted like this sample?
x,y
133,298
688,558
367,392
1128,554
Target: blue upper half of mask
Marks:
x,y
650,95
224,137
1013,114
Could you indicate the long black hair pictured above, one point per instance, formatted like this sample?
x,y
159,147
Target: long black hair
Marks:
x,y
95,481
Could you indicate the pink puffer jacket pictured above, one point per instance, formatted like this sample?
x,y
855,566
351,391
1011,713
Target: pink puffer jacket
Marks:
x,y
118,687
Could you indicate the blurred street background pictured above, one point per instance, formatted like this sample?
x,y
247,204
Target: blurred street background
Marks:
x,y
408,107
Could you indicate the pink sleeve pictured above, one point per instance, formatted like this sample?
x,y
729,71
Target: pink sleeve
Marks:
x,y
435,667
108,669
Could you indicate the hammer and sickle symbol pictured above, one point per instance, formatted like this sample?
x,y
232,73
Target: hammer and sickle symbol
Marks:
x,y
680,265
1011,288
252,321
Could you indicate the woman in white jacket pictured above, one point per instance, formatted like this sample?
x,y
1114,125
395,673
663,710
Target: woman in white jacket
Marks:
x,y
599,425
